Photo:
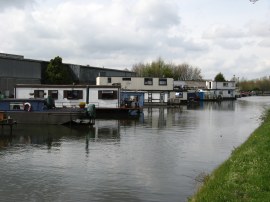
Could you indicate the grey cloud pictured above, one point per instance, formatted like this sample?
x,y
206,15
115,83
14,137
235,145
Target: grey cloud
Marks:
x,y
264,43
157,14
20,4
186,44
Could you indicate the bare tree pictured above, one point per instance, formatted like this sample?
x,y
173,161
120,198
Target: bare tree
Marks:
x,y
159,68
139,69
185,72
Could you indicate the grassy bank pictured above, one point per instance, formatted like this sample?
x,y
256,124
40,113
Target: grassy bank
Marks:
x,y
245,176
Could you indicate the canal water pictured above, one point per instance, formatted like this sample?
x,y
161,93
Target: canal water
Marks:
x,y
160,157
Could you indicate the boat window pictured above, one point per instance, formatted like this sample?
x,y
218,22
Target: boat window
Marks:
x,y
73,94
16,106
107,94
179,94
126,79
39,93
148,81
53,94
163,82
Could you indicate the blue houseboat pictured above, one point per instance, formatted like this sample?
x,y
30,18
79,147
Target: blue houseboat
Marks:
x,y
39,111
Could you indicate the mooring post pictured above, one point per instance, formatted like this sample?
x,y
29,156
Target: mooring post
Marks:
x,y
10,125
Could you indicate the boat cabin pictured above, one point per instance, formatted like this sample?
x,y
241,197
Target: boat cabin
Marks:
x,y
156,90
71,95
23,105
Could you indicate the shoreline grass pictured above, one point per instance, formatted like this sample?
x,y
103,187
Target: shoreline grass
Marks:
x,y
245,176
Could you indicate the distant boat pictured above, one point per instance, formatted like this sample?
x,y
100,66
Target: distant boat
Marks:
x,y
37,111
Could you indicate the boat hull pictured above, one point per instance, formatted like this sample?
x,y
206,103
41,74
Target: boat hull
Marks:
x,y
117,113
55,118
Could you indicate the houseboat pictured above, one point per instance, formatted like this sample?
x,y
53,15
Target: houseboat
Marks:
x,y
105,98
205,90
38,111
224,90
156,90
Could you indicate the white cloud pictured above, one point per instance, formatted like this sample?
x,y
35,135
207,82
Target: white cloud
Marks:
x,y
224,32
259,29
210,35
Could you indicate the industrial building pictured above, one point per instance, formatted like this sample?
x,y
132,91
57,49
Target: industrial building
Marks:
x,y
15,69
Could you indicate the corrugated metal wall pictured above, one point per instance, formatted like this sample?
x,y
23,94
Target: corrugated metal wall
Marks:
x,y
26,71
20,68
15,71
88,74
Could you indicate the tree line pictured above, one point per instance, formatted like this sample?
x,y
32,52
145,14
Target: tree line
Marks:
x,y
58,73
159,68
262,84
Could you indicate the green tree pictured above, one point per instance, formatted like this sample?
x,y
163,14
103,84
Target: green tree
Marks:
x,y
156,68
219,77
57,72
160,68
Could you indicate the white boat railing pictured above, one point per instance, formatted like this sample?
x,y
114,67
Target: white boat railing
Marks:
x,y
76,105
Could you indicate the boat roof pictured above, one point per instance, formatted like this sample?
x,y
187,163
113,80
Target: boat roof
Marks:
x,y
23,100
64,86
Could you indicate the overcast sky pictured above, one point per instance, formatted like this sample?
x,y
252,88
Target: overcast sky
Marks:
x,y
227,36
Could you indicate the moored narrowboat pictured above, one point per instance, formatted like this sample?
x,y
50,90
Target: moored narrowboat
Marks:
x,y
39,111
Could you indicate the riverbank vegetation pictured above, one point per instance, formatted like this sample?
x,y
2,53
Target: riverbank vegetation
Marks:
x,y
262,84
245,176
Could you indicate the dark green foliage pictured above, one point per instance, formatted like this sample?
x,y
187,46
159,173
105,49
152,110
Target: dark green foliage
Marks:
x,y
219,77
57,72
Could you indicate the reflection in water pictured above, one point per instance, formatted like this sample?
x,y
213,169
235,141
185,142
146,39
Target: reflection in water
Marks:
x,y
33,135
51,136
155,158
223,105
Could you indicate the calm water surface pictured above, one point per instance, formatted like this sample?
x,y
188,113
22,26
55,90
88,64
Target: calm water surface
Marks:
x,y
157,158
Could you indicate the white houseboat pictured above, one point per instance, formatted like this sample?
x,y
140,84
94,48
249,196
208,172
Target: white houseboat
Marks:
x,y
105,98
71,95
156,90
224,90
204,90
